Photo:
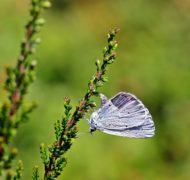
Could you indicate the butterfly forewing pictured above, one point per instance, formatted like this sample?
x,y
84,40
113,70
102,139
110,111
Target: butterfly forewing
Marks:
x,y
126,115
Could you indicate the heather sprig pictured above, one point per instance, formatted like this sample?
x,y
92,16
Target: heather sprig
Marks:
x,y
15,110
53,157
17,174
35,174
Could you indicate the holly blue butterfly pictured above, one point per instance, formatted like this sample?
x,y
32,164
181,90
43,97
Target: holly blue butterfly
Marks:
x,y
123,115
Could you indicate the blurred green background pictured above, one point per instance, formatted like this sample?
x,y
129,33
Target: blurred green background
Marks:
x,y
152,62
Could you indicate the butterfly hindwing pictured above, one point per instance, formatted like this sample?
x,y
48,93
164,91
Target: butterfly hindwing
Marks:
x,y
126,115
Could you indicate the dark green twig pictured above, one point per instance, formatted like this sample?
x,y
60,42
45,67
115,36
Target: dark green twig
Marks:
x,y
13,112
65,130
35,174
17,174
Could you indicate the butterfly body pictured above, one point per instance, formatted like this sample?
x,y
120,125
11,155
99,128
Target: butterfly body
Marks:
x,y
123,115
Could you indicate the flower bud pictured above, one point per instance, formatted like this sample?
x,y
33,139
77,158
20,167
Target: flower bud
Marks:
x,y
46,4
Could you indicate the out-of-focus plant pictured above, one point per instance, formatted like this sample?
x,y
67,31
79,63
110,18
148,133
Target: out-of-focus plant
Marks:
x,y
15,110
17,174
53,157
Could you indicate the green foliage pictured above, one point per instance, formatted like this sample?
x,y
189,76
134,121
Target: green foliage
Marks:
x,y
65,130
17,174
15,111
35,174
44,154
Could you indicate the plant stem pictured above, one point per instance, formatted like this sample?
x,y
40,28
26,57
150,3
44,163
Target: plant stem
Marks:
x,y
19,78
66,130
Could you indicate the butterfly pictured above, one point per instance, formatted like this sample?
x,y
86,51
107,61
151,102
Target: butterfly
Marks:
x,y
123,115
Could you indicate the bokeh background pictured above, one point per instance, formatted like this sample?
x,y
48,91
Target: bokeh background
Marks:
x,y
152,62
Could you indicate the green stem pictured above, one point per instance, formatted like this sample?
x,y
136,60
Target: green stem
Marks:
x,y
17,83
66,131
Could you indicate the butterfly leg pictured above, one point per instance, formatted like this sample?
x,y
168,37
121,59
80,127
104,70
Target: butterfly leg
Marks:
x,y
103,98
86,119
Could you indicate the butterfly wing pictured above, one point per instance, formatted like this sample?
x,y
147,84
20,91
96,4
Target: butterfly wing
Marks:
x,y
125,115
